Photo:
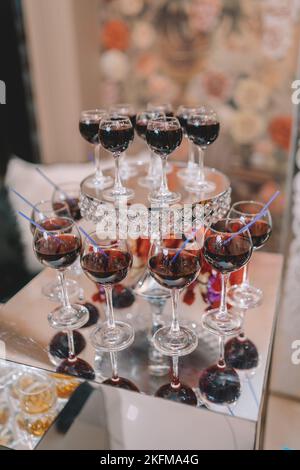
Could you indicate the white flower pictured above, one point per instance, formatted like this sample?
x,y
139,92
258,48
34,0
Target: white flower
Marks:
x,y
251,94
246,126
114,65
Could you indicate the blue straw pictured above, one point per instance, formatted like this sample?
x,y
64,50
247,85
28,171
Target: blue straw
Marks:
x,y
25,200
52,182
35,223
194,232
253,221
92,241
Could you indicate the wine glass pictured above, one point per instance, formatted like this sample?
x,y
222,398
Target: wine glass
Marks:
x,y
183,113
202,129
226,249
36,392
45,213
163,136
219,384
107,263
165,108
153,175
116,380
175,269
88,126
245,295
242,354
115,134
69,193
177,391
127,170
58,249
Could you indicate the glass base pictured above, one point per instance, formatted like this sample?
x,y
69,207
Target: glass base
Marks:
x,y
188,172
99,182
149,181
68,319
52,290
181,344
120,382
244,296
94,315
105,338
219,386
113,194
179,393
228,325
241,354
200,186
77,367
169,198
59,348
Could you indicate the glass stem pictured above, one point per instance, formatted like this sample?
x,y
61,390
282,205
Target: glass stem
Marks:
x,y
221,362
114,365
118,187
201,163
223,306
64,292
151,165
175,374
99,174
71,346
164,182
175,328
246,275
109,307
191,158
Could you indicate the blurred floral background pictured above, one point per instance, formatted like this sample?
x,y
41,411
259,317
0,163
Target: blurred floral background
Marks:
x,y
237,56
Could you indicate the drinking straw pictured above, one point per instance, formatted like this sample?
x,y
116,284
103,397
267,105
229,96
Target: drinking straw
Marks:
x,y
92,241
42,229
25,200
52,182
253,221
194,232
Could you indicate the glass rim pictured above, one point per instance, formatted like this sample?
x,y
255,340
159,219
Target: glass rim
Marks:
x,y
260,204
115,118
60,230
227,219
50,201
93,112
48,382
102,244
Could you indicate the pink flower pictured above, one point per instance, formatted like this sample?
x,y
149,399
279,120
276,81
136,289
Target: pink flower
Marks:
x,y
204,15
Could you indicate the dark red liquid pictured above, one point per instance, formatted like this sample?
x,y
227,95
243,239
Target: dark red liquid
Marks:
x,y
174,274
53,223
59,346
163,142
180,393
110,267
115,140
132,118
203,134
73,204
241,353
89,131
78,368
260,233
183,119
227,257
120,382
141,128
57,251
220,385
